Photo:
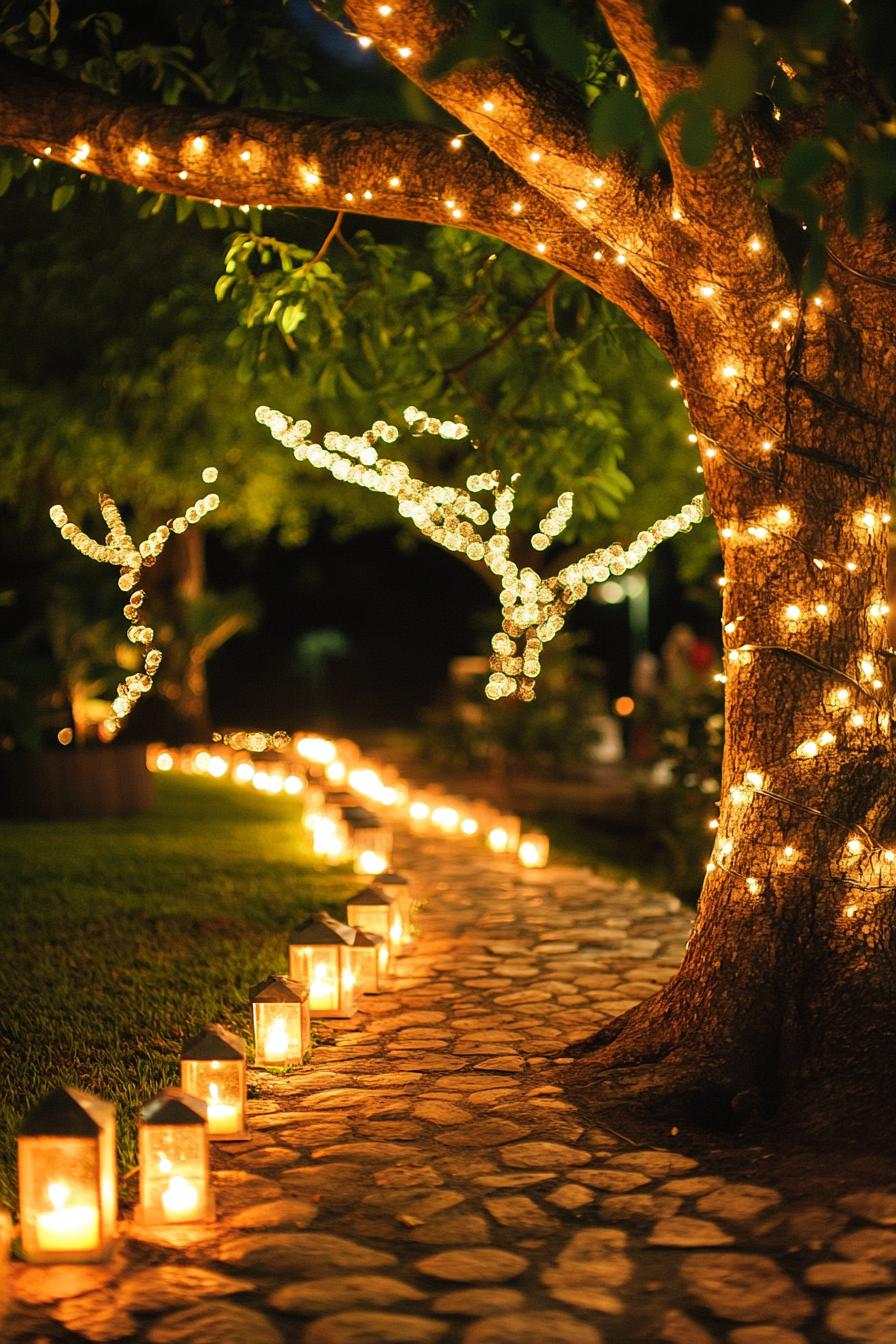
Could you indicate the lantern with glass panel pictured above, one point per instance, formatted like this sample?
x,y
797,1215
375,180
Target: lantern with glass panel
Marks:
x,y
213,1068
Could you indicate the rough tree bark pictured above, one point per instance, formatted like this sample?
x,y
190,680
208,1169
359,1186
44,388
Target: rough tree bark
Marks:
x,y
787,993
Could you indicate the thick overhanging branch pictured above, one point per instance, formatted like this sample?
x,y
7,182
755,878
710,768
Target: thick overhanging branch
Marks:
x,y
535,126
716,205
244,157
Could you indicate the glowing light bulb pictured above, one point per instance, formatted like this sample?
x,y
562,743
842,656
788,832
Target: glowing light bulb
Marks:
x,y
766,445
826,739
142,158
854,846
867,667
540,247
857,720
365,42
729,371
581,204
755,245
246,155
394,183
806,750
597,182
842,694
706,291
619,258
455,142
404,52
676,215
535,156
792,612
822,609
516,208
384,11
868,519
789,851
783,515
754,779
488,105
754,886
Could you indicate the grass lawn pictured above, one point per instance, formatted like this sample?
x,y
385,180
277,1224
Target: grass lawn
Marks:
x,y
122,937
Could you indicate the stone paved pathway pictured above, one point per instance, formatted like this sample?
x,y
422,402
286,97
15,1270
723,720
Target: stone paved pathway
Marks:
x,y
424,1180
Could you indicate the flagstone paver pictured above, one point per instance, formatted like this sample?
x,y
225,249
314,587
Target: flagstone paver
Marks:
x,y
427,1179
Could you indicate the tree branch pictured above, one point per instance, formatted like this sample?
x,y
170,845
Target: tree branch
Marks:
x,y
537,127
245,157
711,198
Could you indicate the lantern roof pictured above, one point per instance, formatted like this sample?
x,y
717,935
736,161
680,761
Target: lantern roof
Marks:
x,y
67,1113
372,895
216,1042
279,989
320,930
174,1107
364,938
391,879
360,817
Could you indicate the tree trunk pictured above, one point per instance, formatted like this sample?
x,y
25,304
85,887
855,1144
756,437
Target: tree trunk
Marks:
x,y
786,998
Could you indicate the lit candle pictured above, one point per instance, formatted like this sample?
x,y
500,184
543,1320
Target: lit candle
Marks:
x,y
324,990
368,861
74,1227
396,930
222,1118
276,1041
533,851
180,1200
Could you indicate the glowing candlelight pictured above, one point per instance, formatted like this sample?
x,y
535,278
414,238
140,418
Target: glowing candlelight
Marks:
x,y
180,1200
533,851
276,1042
323,990
66,1227
371,863
222,1119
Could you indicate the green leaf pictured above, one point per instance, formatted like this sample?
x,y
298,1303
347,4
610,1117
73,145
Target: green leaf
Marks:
x,y
61,196
806,162
816,261
617,120
698,136
558,38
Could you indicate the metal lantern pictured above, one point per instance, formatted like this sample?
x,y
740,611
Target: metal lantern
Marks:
x,y
397,885
377,910
371,841
213,1068
533,850
68,1187
320,954
370,961
174,1160
5,1243
504,835
280,1020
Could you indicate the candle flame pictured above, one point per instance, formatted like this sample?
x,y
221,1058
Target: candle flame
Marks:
x,y
58,1193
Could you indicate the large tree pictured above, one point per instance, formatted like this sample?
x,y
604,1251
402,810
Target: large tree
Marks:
x,y
742,223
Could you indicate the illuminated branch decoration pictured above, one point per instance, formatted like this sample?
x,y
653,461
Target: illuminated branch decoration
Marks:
x,y
119,549
534,608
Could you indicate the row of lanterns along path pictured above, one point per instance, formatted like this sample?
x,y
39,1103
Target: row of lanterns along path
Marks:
x,y
68,1180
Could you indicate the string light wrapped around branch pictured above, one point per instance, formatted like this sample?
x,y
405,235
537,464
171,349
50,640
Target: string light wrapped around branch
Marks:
x,y
120,549
534,608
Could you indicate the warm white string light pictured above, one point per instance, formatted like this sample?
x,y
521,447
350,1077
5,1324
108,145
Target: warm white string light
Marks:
x,y
119,549
534,608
